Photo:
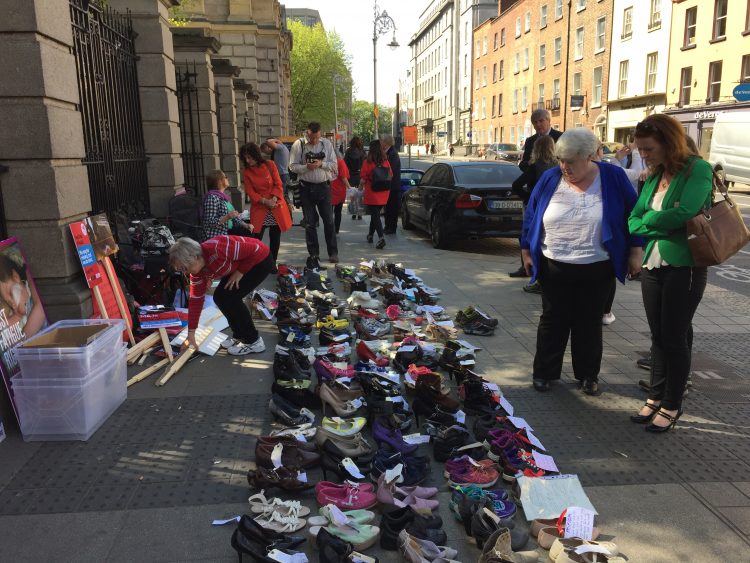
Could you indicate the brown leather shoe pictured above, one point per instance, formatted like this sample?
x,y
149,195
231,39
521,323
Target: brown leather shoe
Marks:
x,y
291,456
289,441
430,395
283,478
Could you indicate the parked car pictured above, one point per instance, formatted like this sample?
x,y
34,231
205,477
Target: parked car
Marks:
x,y
503,151
730,152
410,177
460,200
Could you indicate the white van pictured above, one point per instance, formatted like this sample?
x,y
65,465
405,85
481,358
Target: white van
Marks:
x,y
730,146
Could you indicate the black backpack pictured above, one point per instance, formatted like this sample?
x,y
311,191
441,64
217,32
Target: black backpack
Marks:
x,y
381,178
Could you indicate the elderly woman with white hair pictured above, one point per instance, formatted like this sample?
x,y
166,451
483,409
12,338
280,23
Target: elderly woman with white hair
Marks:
x,y
242,263
575,239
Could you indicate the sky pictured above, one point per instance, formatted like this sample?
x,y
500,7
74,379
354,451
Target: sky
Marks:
x,y
352,19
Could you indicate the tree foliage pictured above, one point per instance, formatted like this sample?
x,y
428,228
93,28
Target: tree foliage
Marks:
x,y
363,120
316,58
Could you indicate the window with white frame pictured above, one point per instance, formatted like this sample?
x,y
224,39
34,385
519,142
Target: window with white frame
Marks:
x,y
745,69
543,17
622,89
577,81
540,99
484,76
494,72
517,63
720,19
502,70
691,20
714,81
524,98
466,64
500,104
494,42
579,44
601,31
494,99
556,89
542,56
484,108
580,5
466,33
526,58
627,23
654,20
478,51
484,45
527,22
518,26
476,81
596,96
652,60
466,97
512,134
558,49
502,37
558,9
686,85
515,100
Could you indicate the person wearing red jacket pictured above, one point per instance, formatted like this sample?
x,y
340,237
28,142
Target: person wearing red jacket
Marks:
x,y
339,185
242,263
375,200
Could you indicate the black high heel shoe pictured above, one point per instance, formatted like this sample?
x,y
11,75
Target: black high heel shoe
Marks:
x,y
332,462
660,429
270,539
645,418
257,552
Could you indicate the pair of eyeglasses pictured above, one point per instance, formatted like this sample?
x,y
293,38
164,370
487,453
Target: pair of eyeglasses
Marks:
x,y
644,127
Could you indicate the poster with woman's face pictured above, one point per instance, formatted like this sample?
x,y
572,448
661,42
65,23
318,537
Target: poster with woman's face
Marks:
x,y
21,311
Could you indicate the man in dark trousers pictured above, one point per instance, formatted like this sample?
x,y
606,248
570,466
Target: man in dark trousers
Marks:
x,y
542,122
393,206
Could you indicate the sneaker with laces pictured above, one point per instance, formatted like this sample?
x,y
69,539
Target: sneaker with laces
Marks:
x,y
228,342
241,349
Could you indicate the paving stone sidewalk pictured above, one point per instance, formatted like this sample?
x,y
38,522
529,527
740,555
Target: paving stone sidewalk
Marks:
x,y
148,484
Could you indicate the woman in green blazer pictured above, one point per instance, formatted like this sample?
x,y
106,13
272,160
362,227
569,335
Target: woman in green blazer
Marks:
x,y
672,287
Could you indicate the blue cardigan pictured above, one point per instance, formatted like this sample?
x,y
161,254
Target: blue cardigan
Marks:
x,y
618,199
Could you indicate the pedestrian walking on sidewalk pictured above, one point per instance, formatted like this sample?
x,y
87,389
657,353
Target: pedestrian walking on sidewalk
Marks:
x,y
575,239
376,180
354,158
339,187
541,119
393,206
242,263
314,162
672,286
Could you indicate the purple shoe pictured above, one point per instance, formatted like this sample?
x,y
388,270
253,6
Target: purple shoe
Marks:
x,y
382,434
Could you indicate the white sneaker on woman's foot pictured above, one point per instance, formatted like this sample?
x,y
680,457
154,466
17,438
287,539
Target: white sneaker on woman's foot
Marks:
x,y
608,319
229,342
240,348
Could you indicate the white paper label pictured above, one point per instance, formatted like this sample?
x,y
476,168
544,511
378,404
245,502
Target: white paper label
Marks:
x,y
340,337
300,437
302,477
467,363
581,549
492,515
460,417
519,423
290,337
335,313
266,312
468,345
392,474
276,455
396,399
470,446
357,557
416,439
534,440
491,386
338,517
356,403
546,462
407,348
352,468
340,365
474,463
222,522
579,523
338,419
409,379
506,405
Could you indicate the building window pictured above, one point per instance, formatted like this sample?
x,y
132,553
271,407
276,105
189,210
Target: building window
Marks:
x,y
524,99
494,42
720,19
500,104
466,64
540,100
555,90
484,108
623,88
627,23
714,81
601,31
686,85
577,80
494,72
579,44
745,69
654,20
517,63
502,37
484,76
542,56
502,70
512,134
466,33
652,60
580,5
596,98
515,100
518,26
558,9
691,18
747,18
478,51
466,97
543,17
476,82
493,106
527,22
558,49
484,45
526,58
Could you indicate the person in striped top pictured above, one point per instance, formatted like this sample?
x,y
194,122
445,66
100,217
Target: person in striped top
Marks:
x,y
242,263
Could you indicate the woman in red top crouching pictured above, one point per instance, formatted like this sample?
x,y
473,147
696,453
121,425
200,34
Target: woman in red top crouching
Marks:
x,y
242,263
375,199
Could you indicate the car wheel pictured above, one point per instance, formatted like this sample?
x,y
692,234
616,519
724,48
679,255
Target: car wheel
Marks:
x,y
438,233
405,220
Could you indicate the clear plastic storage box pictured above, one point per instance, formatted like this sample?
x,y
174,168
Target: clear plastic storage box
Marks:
x,y
79,357
70,408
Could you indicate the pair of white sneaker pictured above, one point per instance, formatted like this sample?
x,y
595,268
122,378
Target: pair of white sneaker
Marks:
x,y
236,347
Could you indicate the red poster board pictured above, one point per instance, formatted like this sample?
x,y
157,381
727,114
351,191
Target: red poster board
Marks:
x,y
91,268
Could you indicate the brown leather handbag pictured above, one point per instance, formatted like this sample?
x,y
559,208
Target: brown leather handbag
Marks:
x,y
718,232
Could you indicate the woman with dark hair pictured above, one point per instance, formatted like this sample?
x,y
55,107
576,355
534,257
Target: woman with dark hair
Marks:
x,y
375,199
339,185
354,158
266,193
219,215
679,186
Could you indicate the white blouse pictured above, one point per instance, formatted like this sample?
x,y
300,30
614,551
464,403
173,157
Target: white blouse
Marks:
x,y
573,225
654,259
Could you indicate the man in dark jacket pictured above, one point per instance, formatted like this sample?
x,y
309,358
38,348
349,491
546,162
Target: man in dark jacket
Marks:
x,y
394,199
542,122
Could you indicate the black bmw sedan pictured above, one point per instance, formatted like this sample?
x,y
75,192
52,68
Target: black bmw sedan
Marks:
x,y
459,200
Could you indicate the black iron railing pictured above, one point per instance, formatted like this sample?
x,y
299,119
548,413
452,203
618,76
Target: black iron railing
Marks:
x,y
188,103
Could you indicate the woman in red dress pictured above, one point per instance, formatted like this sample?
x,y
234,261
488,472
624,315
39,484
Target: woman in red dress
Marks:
x,y
339,185
374,198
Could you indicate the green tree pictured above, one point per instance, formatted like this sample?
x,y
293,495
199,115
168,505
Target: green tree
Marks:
x,y
317,57
363,120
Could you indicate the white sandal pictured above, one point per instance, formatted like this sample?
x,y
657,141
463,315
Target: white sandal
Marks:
x,y
259,504
282,524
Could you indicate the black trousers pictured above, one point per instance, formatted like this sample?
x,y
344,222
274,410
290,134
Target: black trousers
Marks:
x,y
392,209
671,296
316,203
337,216
375,224
573,297
274,239
611,296
230,301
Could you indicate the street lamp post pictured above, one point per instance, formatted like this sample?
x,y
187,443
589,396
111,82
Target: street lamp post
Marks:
x,y
382,24
336,79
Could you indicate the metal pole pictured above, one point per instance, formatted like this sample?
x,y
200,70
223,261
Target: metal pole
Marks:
x,y
335,116
375,79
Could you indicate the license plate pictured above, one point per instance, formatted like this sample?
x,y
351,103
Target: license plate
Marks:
x,y
500,204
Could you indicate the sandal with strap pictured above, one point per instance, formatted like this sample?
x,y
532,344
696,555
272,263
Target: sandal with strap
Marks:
x,y
259,504
282,524
671,418
645,418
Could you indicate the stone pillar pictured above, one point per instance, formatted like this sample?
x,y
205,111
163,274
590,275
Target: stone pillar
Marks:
x,y
246,114
156,81
193,49
224,75
270,102
46,185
